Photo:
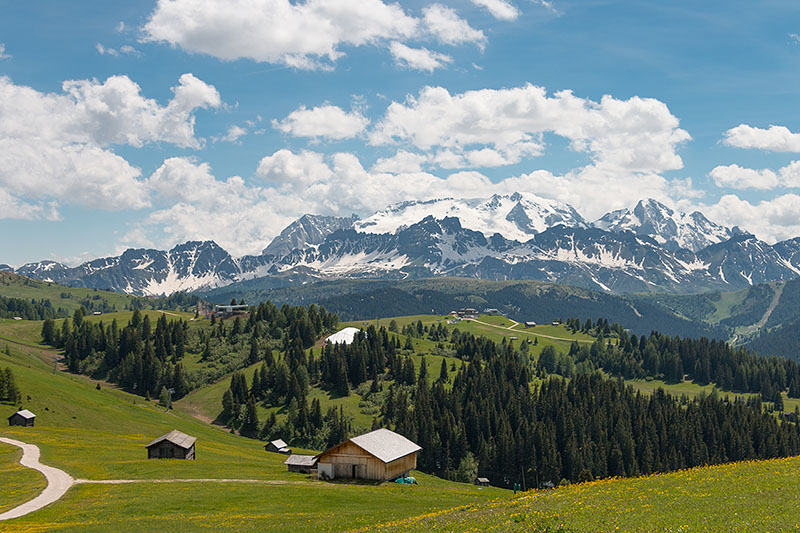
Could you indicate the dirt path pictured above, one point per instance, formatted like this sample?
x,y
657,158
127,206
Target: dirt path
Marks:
x,y
529,332
200,480
58,481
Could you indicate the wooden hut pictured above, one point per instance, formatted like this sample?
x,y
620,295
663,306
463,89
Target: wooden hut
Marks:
x,y
482,481
278,446
173,445
378,455
22,418
300,463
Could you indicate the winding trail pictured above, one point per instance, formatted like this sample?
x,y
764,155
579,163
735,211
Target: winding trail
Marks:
x,y
58,481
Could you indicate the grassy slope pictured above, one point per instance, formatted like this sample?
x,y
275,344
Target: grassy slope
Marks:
x,y
748,496
16,286
101,435
206,402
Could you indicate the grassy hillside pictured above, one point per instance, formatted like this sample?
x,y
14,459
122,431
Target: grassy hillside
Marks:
x,y
101,434
205,402
67,298
748,496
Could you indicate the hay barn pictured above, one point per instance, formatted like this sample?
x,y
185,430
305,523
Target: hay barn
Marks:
x,y
300,463
22,418
379,455
278,446
173,445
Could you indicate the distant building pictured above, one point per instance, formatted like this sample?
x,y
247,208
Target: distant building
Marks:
x,y
378,455
530,324
491,311
482,481
278,446
556,323
467,312
301,463
17,318
22,418
512,338
231,310
97,313
173,445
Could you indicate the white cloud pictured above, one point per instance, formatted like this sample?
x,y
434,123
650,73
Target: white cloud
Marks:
x,y
401,162
771,220
548,5
448,28
306,34
773,139
500,9
418,58
638,135
12,207
293,171
120,27
3,54
124,50
325,121
233,134
56,146
795,37
737,177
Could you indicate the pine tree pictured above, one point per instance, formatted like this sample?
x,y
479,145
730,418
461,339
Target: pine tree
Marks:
x,y
250,423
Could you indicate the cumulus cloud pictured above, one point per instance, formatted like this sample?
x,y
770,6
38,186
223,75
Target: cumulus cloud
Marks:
x,y
288,170
737,177
448,28
56,145
3,54
418,58
773,139
400,162
299,34
325,121
497,127
12,207
770,220
500,9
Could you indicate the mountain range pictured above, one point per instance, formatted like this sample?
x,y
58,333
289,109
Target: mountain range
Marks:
x,y
649,248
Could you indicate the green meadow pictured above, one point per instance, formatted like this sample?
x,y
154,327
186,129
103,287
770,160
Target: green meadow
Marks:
x,y
101,435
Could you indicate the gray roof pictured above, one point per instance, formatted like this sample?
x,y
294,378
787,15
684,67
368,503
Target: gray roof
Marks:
x,y
177,438
24,413
483,480
386,445
301,460
278,443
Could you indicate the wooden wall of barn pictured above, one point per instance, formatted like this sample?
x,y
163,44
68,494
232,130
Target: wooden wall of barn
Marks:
x,y
347,455
401,466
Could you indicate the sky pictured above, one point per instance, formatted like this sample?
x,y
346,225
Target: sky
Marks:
x,y
150,123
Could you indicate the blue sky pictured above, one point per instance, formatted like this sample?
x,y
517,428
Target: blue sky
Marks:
x,y
150,123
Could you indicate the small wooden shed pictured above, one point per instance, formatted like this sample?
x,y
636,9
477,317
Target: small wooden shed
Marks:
x,y
301,463
173,445
378,455
278,446
482,481
22,418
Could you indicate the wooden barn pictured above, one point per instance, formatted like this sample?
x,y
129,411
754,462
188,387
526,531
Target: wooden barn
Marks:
x,y
173,445
482,481
300,463
22,418
278,446
378,455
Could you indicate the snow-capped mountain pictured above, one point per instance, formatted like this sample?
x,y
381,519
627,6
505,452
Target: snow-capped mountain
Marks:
x,y
669,228
516,216
649,248
308,230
